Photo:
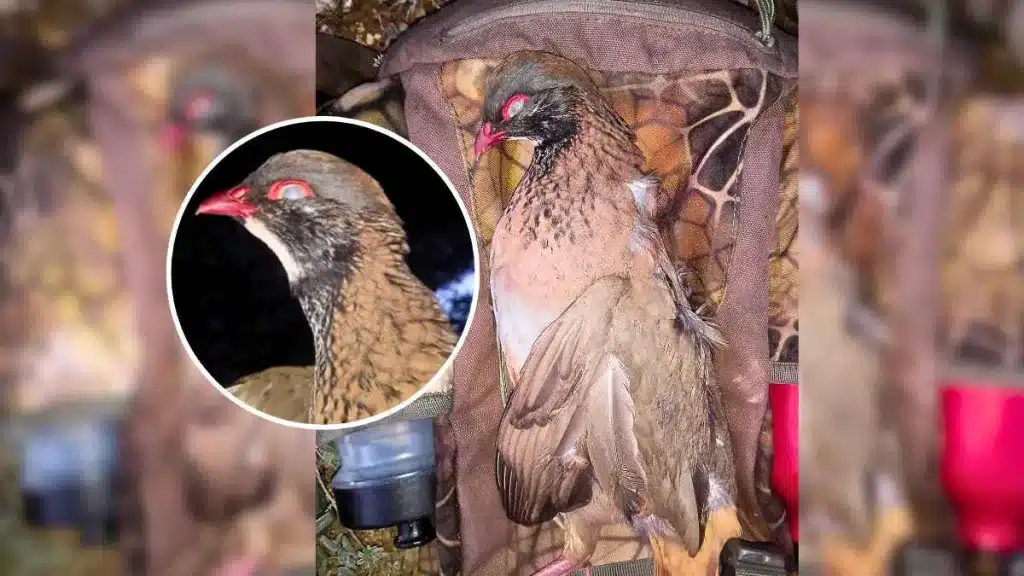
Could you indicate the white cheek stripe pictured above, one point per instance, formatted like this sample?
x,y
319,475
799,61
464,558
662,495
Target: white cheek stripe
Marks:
x,y
260,230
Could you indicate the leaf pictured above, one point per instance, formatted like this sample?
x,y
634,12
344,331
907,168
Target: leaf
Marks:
x,y
345,542
324,522
329,544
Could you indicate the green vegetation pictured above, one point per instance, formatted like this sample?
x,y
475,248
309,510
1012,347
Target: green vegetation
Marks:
x,y
344,552
28,552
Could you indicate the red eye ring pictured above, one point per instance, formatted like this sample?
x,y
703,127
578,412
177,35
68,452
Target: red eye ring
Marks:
x,y
276,191
198,105
512,101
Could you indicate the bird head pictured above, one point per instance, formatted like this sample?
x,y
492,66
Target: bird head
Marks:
x,y
532,96
210,101
308,207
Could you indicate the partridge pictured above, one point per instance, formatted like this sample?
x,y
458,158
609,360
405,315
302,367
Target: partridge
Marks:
x,y
210,100
379,333
614,413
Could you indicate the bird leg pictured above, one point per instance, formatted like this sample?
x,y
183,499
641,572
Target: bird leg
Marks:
x,y
581,530
892,527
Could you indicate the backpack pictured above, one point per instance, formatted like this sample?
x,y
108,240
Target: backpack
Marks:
x,y
728,217
909,153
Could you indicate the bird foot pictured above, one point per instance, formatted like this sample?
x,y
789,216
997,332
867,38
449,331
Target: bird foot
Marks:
x,y
563,567
672,559
892,527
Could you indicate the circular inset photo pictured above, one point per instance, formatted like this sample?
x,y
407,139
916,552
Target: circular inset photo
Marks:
x,y
322,272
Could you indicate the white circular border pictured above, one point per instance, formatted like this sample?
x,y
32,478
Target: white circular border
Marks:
x,y
472,307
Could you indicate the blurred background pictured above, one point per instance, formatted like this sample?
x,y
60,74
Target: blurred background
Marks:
x,y
230,291
912,283
109,110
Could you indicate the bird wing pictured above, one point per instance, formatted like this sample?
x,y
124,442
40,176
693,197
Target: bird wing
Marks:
x,y
281,391
614,394
669,442
541,463
672,400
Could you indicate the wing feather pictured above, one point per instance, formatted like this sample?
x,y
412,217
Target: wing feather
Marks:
x,y
541,464
281,391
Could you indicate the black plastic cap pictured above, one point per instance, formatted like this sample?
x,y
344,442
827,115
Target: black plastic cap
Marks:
x,y
54,508
415,534
918,559
745,558
405,499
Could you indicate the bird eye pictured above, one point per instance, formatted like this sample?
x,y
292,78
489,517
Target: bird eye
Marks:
x,y
200,107
513,106
289,190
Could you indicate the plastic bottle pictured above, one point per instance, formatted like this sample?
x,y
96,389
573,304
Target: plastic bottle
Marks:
x,y
67,472
387,478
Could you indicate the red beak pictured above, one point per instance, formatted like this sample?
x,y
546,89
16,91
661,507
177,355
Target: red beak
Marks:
x,y
171,138
227,203
486,139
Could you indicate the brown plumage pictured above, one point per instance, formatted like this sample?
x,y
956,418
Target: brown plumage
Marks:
x,y
281,391
615,413
250,479
379,333
839,413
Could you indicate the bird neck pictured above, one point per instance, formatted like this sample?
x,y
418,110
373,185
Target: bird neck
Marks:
x,y
361,328
350,301
339,321
600,143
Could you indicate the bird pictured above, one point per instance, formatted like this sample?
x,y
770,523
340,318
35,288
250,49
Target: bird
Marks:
x,y
614,412
281,391
210,100
379,332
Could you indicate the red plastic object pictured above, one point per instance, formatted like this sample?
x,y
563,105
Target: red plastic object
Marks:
x,y
983,463
785,403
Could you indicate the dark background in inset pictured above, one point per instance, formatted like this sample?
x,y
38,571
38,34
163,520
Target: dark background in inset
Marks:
x,y
231,293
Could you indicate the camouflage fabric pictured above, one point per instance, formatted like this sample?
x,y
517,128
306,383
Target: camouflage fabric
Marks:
x,y
713,130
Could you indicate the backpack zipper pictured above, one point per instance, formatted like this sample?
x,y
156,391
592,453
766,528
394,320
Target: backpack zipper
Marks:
x,y
637,9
